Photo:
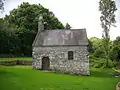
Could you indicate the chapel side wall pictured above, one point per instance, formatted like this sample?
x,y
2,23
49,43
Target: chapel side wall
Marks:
x,y
59,59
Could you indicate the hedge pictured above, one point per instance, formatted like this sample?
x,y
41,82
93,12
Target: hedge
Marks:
x,y
16,62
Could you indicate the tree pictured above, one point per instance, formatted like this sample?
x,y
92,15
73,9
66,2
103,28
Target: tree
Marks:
x,y
67,26
96,47
115,51
2,5
107,8
90,46
25,20
26,17
8,39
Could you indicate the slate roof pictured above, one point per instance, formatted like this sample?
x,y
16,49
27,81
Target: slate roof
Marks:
x,y
61,37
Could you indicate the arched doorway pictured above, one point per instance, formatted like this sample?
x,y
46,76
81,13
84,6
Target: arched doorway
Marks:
x,y
45,63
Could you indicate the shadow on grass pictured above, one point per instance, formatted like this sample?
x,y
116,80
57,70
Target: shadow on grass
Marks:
x,y
6,74
8,79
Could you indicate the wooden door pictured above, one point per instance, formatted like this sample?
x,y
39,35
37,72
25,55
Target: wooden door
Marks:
x,y
45,63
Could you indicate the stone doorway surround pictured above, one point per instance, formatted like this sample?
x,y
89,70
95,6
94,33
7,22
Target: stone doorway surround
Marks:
x,y
45,63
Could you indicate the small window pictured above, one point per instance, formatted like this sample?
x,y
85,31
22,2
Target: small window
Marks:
x,y
70,55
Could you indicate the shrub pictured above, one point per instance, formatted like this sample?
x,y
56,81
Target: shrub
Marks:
x,y
7,56
16,62
100,62
118,65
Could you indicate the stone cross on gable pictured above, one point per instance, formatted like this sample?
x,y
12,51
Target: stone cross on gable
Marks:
x,y
40,23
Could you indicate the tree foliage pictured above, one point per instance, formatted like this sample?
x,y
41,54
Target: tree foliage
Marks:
x,y
97,54
107,8
8,38
26,17
2,5
22,25
67,26
97,49
115,51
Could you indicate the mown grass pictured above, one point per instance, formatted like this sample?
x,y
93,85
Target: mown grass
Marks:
x,y
24,78
17,58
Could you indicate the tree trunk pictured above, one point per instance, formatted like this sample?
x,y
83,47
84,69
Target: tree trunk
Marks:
x,y
106,61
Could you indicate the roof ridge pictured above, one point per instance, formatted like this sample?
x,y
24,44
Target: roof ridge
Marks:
x,y
64,29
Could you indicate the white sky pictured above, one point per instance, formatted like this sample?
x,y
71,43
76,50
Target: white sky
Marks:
x,y
78,13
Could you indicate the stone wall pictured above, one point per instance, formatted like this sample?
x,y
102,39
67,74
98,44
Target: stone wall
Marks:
x,y
59,59
118,86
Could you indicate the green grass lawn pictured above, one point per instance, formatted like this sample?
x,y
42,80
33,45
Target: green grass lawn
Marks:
x,y
17,58
24,78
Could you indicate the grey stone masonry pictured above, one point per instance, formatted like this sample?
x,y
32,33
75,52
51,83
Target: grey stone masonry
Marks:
x,y
58,56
